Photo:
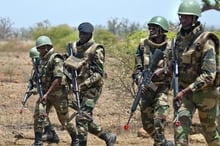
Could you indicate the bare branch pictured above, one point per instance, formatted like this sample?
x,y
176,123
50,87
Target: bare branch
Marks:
x,y
208,6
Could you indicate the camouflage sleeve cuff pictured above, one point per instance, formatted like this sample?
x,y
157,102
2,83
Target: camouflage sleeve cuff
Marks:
x,y
195,86
191,87
96,77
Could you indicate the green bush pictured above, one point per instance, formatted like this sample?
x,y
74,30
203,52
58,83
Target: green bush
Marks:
x,y
60,35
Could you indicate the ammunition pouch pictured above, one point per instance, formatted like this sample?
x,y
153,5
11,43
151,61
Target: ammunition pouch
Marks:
x,y
74,62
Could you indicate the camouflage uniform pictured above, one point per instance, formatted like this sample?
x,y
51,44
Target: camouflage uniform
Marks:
x,y
51,67
218,111
90,80
196,52
197,70
154,104
89,63
49,134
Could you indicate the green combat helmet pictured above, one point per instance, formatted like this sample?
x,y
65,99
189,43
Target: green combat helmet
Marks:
x,y
161,21
33,53
43,40
189,7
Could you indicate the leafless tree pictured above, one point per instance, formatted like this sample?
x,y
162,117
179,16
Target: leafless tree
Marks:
x,y
6,29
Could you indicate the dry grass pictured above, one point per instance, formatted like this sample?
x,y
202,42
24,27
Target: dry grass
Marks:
x,y
16,45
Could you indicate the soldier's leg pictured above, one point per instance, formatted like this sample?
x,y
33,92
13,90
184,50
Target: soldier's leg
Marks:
x,y
181,131
108,137
49,133
40,118
218,110
185,113
160,113
83,120
82,129
89,99
147,121
61,107
207,114
147,116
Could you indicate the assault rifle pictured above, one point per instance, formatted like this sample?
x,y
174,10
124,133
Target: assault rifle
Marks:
x,y
34,54
74,75
146,81
175,85
37,76
27,94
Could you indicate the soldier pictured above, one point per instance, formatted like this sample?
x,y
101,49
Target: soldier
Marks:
x,y
54,90
49,134
90,80
196,53
154,104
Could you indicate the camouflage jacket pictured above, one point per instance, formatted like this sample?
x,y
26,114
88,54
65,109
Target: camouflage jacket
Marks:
x,y
197,59
91,72
144,54
51,67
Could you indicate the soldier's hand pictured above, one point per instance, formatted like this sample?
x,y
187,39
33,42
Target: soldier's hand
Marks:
x,y
82,86
144,89
44,99
138,81
157,73
182,92
34,91
179,96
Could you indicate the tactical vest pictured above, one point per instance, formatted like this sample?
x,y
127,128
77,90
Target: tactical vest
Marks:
x,y
47,68
87,69
147,49
195,53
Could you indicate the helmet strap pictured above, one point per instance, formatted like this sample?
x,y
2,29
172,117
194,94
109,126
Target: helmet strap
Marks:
x,y
194,20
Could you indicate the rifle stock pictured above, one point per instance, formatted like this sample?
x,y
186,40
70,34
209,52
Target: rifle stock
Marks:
x,y
146,81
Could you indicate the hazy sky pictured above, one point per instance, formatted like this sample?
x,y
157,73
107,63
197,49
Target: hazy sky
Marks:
x,y
26,13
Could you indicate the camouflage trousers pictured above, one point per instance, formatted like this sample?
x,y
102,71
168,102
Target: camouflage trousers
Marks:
x,y
60,102
85,123
205,101
218,110
154,110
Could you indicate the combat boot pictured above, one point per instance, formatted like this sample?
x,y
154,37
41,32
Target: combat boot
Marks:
x,y
109,138
38,141
161,138
168,143
82,143
50,135
75,140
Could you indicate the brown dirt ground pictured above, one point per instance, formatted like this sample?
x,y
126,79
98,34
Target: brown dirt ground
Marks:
x,y
111,112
